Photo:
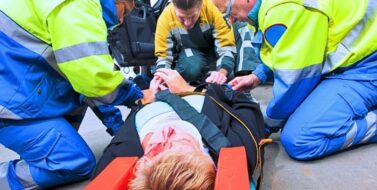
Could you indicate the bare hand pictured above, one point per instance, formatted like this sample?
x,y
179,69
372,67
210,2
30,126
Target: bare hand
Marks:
x,y
154,87
157,84
216,77
245,82
173,80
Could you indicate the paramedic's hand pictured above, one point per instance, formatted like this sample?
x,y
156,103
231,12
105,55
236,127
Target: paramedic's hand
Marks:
x,y
156,84
149,94
245,82
173,81
218,77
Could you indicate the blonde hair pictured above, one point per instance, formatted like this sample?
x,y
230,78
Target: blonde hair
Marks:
x,y
176,171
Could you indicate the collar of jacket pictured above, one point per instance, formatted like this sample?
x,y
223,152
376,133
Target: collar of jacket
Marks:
x,y
253,14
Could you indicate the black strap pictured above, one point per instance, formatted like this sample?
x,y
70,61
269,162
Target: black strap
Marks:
x,y
211,134
221,92
200,87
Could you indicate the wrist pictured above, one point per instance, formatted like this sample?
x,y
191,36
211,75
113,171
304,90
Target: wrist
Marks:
x,y
191,89
146,99
224,72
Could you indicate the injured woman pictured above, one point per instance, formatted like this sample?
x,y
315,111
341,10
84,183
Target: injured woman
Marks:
x,y
177,131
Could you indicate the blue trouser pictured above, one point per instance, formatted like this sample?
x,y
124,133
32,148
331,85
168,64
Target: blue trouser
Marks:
x,y
51,152
338,114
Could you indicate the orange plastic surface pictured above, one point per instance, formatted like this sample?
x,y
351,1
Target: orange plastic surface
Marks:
x,y
231,174
232,171
115,176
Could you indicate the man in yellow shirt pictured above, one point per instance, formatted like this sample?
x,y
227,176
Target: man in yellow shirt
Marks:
x,y
194,29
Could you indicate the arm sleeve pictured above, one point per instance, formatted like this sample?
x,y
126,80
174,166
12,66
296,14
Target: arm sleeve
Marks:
x,y
164,40
295,42
78,38
262,72
224,40
246,59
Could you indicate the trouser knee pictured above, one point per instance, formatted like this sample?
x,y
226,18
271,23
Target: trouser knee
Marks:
x,y
192,64
299,145
51,150
190,73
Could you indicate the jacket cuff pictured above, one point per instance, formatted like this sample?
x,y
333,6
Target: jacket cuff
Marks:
x,y
262,72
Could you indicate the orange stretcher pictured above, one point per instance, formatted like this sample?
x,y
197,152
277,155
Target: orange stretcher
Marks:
x,y
231,172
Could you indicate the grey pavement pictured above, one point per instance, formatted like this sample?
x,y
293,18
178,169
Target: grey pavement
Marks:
x,y
353,169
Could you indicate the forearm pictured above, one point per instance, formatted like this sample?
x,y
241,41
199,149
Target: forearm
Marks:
x,y
226,63
164,42
125,94
224,72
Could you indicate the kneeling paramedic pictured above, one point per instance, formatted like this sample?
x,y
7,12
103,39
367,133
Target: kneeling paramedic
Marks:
x,y
54,60
192,34
323,55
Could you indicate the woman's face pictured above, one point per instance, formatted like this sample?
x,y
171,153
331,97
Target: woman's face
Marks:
x,y
173,137
170,138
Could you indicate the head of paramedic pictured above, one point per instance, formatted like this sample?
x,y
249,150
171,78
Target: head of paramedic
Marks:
x,y
235,10
187,11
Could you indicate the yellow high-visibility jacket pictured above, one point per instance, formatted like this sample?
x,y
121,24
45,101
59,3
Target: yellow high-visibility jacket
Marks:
x,y
305,40
49,50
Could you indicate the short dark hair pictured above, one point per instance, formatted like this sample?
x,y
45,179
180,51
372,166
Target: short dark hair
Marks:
x,y
186,4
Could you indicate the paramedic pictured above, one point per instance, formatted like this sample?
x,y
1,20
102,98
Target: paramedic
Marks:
x,y
54,58
246,59
195,31
323,55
